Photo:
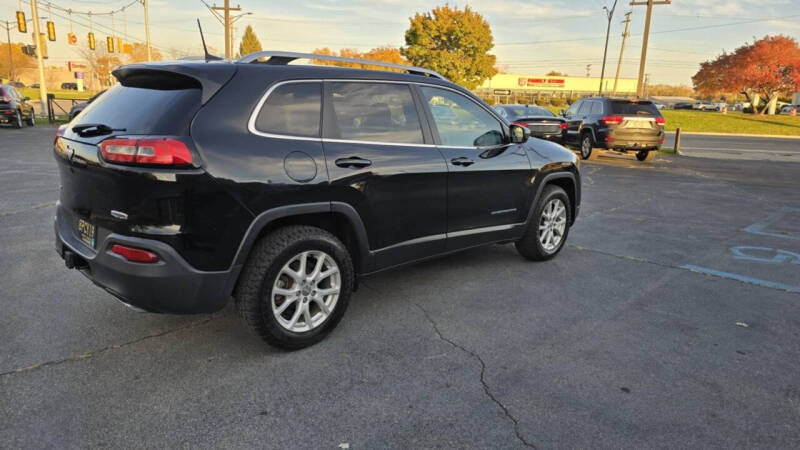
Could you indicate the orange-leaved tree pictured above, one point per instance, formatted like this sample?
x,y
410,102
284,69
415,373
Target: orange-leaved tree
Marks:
x,y
766,68
453,42
383,54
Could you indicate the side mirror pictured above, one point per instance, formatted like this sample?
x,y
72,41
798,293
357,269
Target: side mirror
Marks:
x,y
562,113
519,134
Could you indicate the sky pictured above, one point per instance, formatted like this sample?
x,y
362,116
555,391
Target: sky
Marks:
x,y
531,37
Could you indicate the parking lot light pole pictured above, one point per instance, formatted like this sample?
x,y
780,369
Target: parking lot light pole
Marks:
x,y
610,15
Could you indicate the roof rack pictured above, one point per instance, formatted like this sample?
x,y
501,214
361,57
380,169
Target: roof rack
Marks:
x,y
276,58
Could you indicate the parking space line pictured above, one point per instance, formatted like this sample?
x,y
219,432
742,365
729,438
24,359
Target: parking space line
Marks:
x,y
743,278
758,227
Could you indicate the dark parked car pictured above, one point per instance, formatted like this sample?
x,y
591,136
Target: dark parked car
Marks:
x,y
17,84
280,185
617,124
69,86
542,123
684,105
14,108
78,107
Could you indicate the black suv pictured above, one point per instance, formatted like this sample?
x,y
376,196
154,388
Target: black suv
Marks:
x,y
279,185
14,108
616,124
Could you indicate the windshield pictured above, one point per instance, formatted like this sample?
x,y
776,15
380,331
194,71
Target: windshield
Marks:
x,y
625,107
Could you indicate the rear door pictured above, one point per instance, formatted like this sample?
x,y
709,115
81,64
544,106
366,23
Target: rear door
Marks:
x,y
574,121
381,160
489,180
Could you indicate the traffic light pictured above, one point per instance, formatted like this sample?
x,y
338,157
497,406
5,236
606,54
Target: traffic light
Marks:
x,y
22,25
29,50
110,44
51,31
91,41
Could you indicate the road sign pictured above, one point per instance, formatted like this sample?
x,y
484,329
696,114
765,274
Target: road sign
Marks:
x,y
502,92
75,66
72,39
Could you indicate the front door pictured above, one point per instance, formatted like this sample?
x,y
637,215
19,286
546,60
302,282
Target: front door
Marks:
x,y
489,184
382,163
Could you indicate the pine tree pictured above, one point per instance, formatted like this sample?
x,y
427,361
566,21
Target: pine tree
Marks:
x,y
250,43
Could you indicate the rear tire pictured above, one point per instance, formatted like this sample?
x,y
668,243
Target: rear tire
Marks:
x,y
552,214
587,145
280,296
32,120
646,155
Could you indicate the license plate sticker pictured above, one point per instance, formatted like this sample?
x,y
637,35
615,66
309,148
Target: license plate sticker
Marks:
x,y
87,232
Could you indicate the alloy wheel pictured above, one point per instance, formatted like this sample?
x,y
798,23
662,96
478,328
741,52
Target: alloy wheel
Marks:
x,y
552,224
306,291
586,147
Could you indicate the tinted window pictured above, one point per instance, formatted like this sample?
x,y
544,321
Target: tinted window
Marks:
x,y
292,109
625,107
586,108
597,108
377,112
526,111
460,121
143,111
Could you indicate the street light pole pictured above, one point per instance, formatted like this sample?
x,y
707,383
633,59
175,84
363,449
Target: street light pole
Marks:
x,y
10,53
38,41
610,15
147,30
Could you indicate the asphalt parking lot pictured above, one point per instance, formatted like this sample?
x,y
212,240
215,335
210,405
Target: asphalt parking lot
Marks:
x,y
672,319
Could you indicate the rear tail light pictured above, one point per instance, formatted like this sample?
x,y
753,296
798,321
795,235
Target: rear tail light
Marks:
x,y
563,126
155,151
612,120
134,254
660,120
522,124
609,139
661,141
59,132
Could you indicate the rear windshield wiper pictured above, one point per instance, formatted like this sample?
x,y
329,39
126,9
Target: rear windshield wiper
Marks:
x,y
94,129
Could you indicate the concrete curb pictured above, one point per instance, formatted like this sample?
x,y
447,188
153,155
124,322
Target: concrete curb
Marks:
x,y
737,135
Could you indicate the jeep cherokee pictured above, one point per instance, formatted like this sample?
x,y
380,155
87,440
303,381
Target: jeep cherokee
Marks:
x,y
279,184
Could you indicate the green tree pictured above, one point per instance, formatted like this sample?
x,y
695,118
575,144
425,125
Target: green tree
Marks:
x,y
453,42
250,42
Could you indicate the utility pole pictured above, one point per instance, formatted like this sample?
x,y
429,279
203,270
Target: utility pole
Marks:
x,y
646,82
625,36
227,23
38,42
610,15
147,30
649,3
10,53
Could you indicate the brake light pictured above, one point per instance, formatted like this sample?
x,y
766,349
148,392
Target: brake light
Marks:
x,y
563,126
59,132
156,151
522,124
660,120
134,254
612,120
609,139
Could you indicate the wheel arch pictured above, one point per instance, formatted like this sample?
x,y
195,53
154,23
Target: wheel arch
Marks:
x,y
565,180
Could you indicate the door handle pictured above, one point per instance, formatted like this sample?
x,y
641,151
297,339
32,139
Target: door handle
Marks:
x,y
353,162
462,161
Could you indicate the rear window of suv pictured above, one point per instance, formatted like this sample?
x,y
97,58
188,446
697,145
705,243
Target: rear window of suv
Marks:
x,y
144,111
292,109
625,108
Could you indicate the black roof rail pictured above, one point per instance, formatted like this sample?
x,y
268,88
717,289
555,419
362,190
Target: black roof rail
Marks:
x,y
278,58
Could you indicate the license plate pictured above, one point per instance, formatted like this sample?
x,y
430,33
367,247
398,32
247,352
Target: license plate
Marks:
x,y
637,124
87,232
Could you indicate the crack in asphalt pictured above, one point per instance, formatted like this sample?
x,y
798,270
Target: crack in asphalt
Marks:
x,y
98,352
30,208
475,356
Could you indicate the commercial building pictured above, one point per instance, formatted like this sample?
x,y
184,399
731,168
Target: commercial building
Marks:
x,y
524,88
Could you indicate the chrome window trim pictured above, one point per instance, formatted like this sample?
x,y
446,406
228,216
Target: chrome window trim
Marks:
x,y
251,123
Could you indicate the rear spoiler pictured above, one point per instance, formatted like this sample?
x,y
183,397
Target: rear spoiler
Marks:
x,y
208,77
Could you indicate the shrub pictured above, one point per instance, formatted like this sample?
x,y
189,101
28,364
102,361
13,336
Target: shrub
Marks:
x,y
557,101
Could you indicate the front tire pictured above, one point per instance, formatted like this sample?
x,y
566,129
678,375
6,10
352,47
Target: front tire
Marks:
x,y
295,286
18,123
587,144
32,119
548,229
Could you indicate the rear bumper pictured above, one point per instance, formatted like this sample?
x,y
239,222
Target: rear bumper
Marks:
x,y
170,285
631,141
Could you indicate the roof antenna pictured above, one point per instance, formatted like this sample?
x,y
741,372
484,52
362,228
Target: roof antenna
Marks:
x,y
209,56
